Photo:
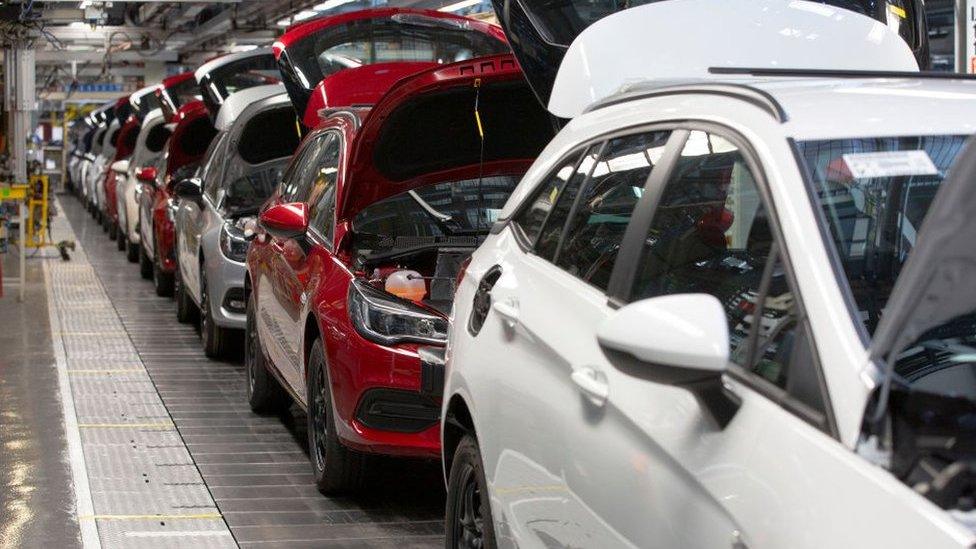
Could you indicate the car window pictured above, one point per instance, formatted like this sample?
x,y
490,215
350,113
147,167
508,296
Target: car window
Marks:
x,y
322,197
298,180
213,167
603,210
711,234
530,220
552,229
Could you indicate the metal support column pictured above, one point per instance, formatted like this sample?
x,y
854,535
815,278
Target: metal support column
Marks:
x,y
964,40
19,101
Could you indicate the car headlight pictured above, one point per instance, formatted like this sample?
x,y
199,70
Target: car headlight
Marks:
x,y
233,242
387,319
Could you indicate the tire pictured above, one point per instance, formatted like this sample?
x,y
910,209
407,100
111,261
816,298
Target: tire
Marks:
x,y
186,309
162,281
264,394
337,469
113,231
132,252
122,240
145,264
468,517
214,337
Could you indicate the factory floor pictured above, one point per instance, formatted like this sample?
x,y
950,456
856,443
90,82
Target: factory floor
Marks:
x,y
116,431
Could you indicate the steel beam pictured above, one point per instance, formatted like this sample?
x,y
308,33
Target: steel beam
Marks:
x,y
19,101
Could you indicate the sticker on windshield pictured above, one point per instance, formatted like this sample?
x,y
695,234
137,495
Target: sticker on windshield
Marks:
x,y
890,164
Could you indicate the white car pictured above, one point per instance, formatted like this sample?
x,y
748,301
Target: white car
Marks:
x,y
150,144
673,336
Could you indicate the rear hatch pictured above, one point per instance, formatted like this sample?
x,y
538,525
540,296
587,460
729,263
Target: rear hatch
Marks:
x,y
219,78
541,32
314,50
176,91
144,101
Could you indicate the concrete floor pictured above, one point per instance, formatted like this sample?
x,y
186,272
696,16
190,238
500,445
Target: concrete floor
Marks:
x,y
254,469
36,504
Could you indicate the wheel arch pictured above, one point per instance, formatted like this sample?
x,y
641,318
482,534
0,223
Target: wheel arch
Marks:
x,y
457,423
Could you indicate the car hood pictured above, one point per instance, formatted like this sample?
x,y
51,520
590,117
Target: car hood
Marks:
x,y
935,284
572,61
167,95
425,130
191,136
311,40
220,77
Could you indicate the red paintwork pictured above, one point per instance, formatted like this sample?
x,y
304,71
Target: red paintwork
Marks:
x,y
176,158
146,174
359,86
286,218
282,271
122,151
301,30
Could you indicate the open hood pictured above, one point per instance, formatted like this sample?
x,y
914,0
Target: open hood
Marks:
x,y
935,285
143,101
220,77
313,50
235,104
575,53
192,135
176,91
424,131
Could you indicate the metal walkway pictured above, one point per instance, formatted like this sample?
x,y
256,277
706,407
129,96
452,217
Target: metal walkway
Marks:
x,y
254,468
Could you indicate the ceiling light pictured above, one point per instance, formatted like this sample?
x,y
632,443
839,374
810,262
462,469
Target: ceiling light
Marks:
x,y
85,4
460,5
330,5
304,14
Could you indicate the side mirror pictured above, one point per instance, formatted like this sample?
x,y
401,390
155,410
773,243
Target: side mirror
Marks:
x,y
146,174
285,221
190,189
120,166
680,339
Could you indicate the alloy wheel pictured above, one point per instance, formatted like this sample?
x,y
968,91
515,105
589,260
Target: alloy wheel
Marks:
x,y
469,529
320,419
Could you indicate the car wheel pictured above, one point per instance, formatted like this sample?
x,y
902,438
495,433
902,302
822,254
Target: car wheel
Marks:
x,y
113,230
161,280
145,264
132,252
337,469
469,523
186,309
264,393
213,336
122,239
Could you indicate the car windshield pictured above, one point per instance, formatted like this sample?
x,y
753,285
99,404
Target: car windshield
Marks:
x,y
874,193
431,213
396,39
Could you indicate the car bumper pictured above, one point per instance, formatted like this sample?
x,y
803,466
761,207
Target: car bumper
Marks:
x,y
225,282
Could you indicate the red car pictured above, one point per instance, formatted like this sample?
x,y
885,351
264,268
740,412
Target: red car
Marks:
x,y
352,270
124,145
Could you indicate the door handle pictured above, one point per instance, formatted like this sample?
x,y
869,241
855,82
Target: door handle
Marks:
x,y
592,383
508,310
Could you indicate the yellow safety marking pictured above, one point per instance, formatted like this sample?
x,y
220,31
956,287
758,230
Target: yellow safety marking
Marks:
x,y
898,10
126,425
200,516
105,371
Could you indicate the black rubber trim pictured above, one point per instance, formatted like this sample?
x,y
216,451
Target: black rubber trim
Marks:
x,y
749,94
397,410
432,360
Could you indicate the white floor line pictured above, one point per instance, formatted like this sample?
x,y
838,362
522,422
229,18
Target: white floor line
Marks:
x,y
76,455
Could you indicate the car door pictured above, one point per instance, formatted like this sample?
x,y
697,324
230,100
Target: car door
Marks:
x,y
654,464
546,304
193,216
280,308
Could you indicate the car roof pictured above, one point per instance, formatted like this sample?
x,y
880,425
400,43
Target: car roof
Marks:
x,y
838,107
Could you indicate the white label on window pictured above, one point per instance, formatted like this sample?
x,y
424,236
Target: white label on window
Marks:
x,y
890,164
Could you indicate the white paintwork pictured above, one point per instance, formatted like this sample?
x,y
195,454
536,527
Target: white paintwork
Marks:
x,y
781,34
235,105
686,330
137,95
120,166
580,453
209,66
129,186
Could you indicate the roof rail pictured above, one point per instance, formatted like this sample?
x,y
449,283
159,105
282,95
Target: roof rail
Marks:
x,y
764,71
755,96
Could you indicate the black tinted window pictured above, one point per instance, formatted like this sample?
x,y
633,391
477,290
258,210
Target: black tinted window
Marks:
x,y
298,180
534,215
553,228
596,229
322,198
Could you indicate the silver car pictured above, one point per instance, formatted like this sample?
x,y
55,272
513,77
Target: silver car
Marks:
x,y
258,133
150,145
